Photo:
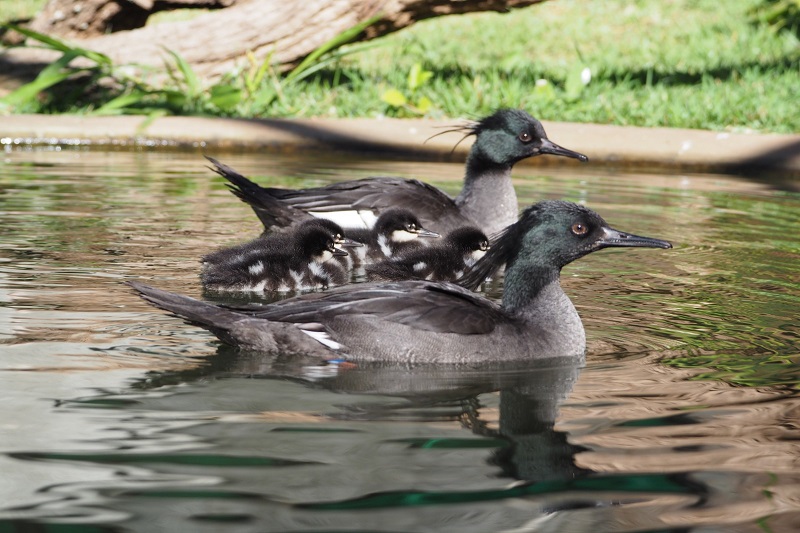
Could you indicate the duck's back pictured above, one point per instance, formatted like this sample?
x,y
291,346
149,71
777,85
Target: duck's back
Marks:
x,y
357,204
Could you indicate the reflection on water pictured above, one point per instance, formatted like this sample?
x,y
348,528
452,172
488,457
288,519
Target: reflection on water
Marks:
x,y
120,417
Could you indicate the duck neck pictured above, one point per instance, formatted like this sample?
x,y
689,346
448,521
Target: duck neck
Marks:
x,y
527,287
488,196
532,294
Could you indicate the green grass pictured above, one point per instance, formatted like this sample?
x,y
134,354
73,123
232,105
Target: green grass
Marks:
x,y
679,63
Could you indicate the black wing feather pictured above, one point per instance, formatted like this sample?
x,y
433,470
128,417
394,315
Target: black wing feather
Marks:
x,y
428,306
278,208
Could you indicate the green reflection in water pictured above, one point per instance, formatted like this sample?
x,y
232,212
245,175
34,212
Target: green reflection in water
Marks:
x,y
30,526
740,318
453,443
653,483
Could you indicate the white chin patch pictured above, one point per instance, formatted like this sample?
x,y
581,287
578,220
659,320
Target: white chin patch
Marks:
x,y
324,256
477,254
364,219
403,236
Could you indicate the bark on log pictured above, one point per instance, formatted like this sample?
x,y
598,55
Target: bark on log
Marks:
x,y
286,30
83,19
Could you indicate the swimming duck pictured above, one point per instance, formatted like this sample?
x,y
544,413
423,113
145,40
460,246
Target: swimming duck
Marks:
x,y
488,199
285,262
433,322
443,261
396,231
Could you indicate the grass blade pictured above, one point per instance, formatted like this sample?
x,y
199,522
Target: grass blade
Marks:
x,y
343,38
118,105
189,77
52,74
62,46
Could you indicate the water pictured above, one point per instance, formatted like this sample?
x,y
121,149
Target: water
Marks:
x,y
119,417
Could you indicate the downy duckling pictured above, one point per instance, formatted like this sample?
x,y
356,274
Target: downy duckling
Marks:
x,y
443,261
396,232
289,262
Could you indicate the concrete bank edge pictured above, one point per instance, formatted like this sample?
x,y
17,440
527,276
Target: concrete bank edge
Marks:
x,y
666,148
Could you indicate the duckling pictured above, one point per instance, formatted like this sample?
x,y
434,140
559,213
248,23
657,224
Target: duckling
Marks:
x,y
443,261
396,231
288,262
433,322
488,199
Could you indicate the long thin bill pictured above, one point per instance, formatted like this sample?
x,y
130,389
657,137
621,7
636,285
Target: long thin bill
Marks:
x,y
549,147
613,237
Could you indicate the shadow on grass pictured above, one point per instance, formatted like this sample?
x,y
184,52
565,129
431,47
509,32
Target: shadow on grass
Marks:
x,y
645,77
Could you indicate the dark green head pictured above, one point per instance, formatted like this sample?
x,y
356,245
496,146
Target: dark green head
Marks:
x,y
550,235
510,135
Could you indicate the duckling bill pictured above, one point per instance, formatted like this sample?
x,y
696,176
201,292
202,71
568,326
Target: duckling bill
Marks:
x,y
433,322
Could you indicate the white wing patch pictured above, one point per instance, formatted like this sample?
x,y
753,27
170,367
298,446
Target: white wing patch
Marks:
x,y
364,219
420,266
323,338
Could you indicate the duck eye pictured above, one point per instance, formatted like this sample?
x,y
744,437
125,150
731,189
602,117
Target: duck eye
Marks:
x,y
580,229
411,227
525,137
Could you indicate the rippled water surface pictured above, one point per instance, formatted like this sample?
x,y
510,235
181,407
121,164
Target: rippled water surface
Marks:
x,y
120,417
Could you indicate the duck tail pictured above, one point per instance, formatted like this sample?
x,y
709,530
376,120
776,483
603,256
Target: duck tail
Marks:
x,y
215,319
232,327
270,211
201,313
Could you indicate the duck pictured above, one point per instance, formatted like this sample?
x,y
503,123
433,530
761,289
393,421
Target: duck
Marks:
x,y
415,322
396,231
487,200
281,263
444,261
